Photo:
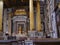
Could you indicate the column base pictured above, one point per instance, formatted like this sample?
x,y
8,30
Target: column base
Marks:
x,y
35,34
32,33
40,35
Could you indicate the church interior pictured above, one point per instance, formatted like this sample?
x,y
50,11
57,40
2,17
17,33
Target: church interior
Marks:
x,y
25,22
23,16
30,18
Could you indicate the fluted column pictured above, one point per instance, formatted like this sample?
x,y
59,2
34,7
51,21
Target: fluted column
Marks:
x,y
1,13
31,14
38,18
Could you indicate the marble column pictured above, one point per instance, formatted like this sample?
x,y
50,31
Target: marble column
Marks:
x,y
31,14
9,24
38,18
1,13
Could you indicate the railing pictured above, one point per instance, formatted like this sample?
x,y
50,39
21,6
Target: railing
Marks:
x,y
31,42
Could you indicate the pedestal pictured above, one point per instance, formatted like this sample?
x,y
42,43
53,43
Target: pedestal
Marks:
x,y
32,33
40,34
